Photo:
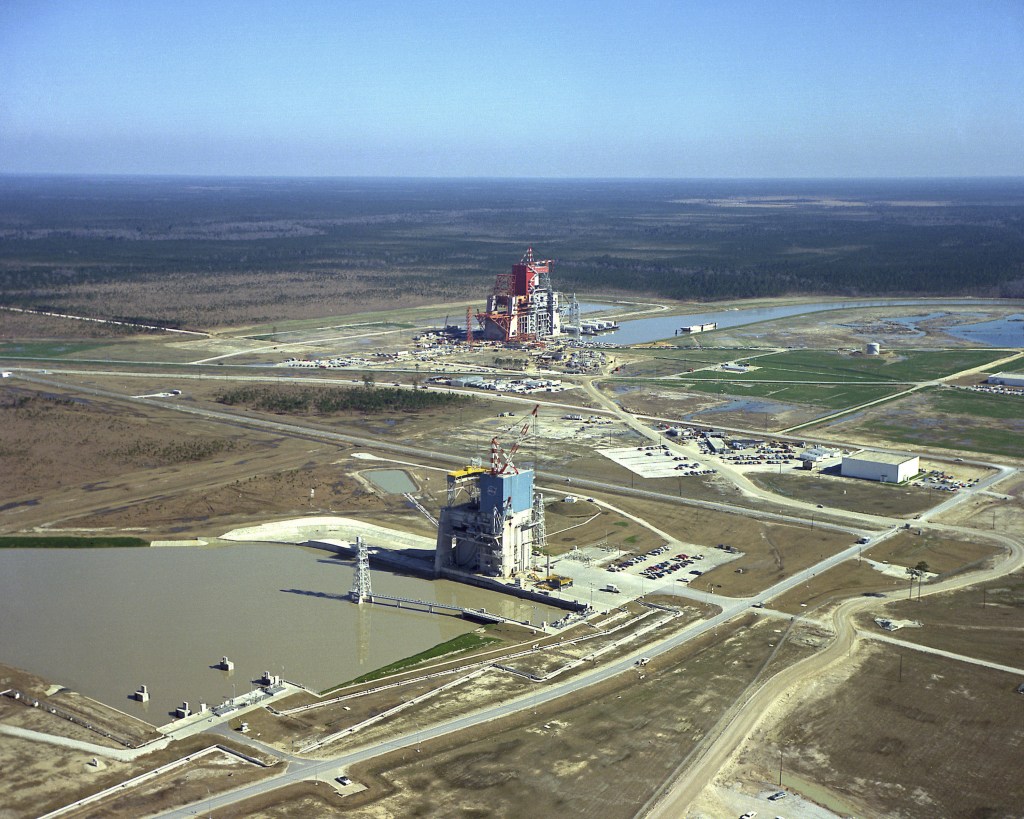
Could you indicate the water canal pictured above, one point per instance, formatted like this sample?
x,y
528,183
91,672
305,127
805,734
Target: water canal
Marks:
x,y
655,328
104,621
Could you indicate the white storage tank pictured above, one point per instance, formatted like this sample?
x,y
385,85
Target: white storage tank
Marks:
x,y
873,348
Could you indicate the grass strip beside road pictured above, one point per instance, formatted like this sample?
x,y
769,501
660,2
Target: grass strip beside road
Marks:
x,y
69,542
908,366
457,645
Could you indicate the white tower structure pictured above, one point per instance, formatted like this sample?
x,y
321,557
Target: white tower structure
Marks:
x,y
540,531
574,316
361,582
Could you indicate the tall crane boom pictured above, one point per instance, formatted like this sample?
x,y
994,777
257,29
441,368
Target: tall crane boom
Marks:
x,y
502,461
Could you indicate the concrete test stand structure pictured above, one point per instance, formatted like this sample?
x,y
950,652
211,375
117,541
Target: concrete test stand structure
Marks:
x,y
524,305
493,519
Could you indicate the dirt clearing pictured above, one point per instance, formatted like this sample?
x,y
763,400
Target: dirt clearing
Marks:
x,y
883,744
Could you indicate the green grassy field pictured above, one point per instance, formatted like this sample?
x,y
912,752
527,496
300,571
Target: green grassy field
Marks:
x,y
655,362
825,365
855,496
457,645
407,317
49,349
830,396
952,419
979,404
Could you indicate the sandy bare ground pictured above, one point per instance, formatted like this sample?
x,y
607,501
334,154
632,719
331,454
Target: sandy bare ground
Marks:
x,y
88,464
39,776
733,737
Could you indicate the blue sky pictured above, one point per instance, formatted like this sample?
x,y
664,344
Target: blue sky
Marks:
x,y
720,88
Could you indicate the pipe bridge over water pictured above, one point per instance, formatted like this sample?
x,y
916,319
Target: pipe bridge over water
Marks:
x,y
478,615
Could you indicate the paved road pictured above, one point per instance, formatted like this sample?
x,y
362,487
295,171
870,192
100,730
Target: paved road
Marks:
x,y
321,435
808,511
299,770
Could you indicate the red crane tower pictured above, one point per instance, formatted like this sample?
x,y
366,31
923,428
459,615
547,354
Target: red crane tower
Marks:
x,y
512,308
501,461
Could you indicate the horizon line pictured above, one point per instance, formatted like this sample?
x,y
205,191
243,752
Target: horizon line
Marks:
x,y
414,178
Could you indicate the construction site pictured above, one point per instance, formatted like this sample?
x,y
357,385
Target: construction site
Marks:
x,y
524,554
524,305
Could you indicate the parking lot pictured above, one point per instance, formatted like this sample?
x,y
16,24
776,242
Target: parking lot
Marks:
x,y
655,461
665,563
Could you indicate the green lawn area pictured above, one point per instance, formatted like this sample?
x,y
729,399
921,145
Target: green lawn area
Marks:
x,y
828,365
852,495
409,317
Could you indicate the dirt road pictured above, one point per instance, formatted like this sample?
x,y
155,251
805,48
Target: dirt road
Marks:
x,y
684,791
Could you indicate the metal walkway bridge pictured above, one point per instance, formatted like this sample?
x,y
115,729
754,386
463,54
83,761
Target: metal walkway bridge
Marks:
x,y
478,615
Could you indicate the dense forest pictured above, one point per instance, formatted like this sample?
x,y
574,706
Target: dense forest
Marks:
x,y
367,400
277,247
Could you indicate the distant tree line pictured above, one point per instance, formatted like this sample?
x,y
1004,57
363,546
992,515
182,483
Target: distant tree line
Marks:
x,y
447,239
328,400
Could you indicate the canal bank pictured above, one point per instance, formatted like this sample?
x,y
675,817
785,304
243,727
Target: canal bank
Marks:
x,y
105,621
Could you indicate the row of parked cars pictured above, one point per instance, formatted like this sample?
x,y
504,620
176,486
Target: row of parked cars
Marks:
x,y
675,564
662,568
622,565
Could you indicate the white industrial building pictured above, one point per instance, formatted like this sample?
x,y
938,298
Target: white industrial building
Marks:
x,y
819,453
1007,379
880,466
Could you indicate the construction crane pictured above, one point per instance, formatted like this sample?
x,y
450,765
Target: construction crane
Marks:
x,y
502,461
419,506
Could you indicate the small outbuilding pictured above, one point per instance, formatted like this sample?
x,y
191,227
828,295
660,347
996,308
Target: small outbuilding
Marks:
x,y
886,467
818,453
